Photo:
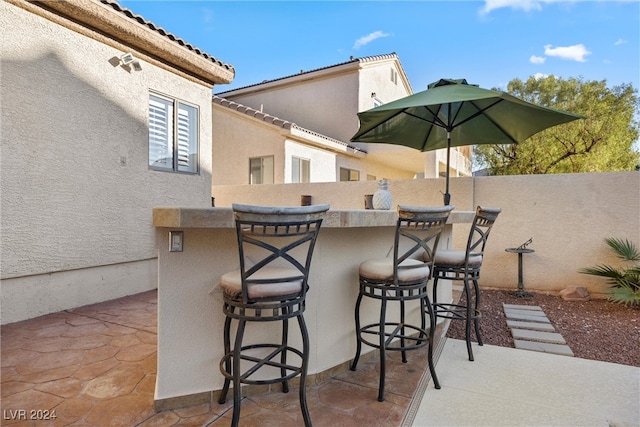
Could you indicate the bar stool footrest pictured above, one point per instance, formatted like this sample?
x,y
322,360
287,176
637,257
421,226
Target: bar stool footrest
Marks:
x,y
454,312
418,341
261,362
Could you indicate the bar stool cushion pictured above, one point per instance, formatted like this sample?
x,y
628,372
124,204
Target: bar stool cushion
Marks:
x,y
231,282
453,258
382,269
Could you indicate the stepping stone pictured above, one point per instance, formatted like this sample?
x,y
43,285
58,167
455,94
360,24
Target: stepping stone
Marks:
x,y
538,326
543,347
510,313
521,307
524,334
532,330
524,312
527,317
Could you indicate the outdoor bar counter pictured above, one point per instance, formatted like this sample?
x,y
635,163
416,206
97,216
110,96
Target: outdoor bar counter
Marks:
x,y
190,317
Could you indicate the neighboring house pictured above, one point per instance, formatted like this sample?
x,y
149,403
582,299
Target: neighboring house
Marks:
x,y
327,100
92,96
252,147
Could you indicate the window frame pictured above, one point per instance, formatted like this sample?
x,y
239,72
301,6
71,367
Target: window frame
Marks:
x,y
176,128
349,173
262,169
304,173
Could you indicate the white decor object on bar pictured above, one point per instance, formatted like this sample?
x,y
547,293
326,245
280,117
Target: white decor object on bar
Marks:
x,y
382,197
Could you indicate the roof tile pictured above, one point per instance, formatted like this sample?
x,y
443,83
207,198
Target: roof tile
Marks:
x,y
351,60
163,32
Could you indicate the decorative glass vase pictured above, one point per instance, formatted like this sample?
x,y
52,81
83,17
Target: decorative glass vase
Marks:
x,y
382,198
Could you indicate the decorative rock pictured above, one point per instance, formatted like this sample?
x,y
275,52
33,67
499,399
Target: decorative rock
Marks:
x,y
575,293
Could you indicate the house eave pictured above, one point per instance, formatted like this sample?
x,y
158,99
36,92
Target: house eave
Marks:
x,y
118,26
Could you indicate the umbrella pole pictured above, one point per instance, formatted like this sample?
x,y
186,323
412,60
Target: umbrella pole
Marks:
x,y
447,196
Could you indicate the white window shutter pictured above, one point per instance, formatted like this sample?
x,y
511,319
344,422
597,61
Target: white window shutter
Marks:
x,y
160,133
187,149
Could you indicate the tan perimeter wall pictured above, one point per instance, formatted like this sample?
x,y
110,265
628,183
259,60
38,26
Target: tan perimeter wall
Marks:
x,y
567,215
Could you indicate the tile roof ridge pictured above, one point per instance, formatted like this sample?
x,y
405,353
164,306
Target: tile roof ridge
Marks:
x,y
141,20
335,141
268,118
352,59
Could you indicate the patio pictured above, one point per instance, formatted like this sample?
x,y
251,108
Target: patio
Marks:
x,y
96,365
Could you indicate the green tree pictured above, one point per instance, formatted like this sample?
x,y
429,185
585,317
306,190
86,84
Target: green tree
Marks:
x,y
603,142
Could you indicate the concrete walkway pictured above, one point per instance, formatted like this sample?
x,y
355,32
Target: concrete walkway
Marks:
x,y
512,387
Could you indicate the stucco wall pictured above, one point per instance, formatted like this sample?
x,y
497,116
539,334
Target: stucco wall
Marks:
x,y
322,163
306,104
77,192
567,215
236,139
311,102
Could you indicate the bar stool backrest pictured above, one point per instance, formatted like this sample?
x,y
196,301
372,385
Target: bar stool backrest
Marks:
x,y
273,239
418,232
480,228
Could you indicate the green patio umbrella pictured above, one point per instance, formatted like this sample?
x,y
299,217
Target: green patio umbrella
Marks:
x,y
453,113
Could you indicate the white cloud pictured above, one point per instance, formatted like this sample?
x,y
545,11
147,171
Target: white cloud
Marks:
x,y
619,42
537,59
573,53
539,76
364,40
207,15
526,5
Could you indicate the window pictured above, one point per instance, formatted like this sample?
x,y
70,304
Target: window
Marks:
x,y
394,76
300,169
349,175
261,170
371,177
173,135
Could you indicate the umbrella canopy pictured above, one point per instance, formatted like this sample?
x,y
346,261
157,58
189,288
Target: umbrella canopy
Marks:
x,y
453,113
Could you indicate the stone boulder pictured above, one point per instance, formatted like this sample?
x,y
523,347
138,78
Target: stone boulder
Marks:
x,y
575,293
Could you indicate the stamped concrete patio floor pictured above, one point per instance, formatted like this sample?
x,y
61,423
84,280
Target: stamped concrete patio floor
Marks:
x,y
96,366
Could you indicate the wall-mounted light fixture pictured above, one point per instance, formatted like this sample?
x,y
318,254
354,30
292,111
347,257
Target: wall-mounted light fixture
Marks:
x,y
129,60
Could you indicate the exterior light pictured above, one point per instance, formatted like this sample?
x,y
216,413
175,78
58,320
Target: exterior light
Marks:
x,y
129,60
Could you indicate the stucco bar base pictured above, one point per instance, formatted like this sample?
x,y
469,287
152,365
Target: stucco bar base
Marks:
x,y
31,296
190,318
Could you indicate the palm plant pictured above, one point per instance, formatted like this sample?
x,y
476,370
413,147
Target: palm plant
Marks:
x,y
625,282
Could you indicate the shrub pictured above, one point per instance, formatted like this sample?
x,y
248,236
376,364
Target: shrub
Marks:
x,y
624,281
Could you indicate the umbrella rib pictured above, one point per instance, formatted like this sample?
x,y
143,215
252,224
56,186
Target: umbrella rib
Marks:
x,y
481,112
437,121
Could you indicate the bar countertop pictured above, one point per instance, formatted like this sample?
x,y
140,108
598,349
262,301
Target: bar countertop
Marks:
x,y
178,217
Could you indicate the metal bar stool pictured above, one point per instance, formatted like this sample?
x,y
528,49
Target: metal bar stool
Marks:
x,y
465,266
275,246
400,279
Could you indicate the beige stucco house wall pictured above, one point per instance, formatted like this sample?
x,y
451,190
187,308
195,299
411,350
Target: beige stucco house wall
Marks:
x,y
328,99
77,191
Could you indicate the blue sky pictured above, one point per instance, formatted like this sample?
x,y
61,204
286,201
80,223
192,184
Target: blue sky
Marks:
x,y
487,42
